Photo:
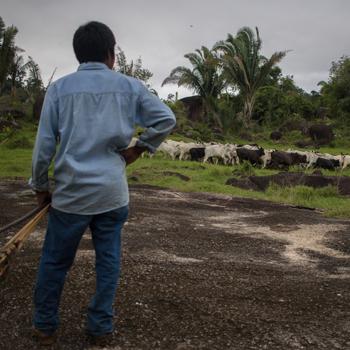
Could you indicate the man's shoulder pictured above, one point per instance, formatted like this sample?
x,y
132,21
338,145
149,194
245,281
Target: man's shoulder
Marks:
x,y
128,79
110,78
55,85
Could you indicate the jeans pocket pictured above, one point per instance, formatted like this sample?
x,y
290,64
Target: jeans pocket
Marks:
x,y
121,214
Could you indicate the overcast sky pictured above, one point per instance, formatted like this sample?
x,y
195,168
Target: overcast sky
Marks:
x,y
162,31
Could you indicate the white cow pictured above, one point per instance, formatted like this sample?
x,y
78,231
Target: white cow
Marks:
x,y
311,158
266,157
230,154
215,152
345,161
185,149
170,148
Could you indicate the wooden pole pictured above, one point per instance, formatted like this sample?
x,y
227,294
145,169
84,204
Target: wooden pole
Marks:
x,y
16,242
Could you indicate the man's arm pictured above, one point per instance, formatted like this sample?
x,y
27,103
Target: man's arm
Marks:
x,y
156,117
158,120
45,147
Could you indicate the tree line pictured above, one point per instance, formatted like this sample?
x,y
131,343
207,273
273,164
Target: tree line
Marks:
x,y
20,74
239,85
16,72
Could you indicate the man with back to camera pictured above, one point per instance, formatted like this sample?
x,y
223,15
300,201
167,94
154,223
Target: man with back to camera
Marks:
x,y
93,113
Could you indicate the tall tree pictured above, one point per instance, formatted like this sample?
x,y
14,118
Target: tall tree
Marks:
x,y
336,91
205,79
132,68
17,71
7,50
244,66
34,83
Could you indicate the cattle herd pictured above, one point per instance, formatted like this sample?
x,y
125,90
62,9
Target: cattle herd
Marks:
x,y
231,154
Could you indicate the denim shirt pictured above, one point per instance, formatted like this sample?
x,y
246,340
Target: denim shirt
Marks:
x,y
88,117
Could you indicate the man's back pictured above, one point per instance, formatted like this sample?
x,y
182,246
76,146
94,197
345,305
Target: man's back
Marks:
x,y
93,112
87,122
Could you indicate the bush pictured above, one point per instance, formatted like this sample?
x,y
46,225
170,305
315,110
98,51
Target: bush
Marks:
x,y
245,169
19,142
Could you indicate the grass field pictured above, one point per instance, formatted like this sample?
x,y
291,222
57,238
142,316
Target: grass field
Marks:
x,y
212,178
15,161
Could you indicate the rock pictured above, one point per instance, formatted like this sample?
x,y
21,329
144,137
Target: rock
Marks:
x,y
344,185
304,143
276,135
286,179
321,134
245,184
318,181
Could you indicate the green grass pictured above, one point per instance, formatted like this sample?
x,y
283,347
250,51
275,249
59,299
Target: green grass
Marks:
x,y
212,178
16,162
16,151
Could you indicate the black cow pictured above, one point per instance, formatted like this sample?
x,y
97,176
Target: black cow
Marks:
x,y
329,164
197,153
281,159
297,158
253,156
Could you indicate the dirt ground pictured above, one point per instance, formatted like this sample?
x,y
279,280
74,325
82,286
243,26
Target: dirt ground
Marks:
x,y
199,271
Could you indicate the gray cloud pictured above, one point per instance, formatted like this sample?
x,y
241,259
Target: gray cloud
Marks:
x,y
161,31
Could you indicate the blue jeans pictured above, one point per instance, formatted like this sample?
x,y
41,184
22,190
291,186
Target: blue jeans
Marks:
x,y
63,235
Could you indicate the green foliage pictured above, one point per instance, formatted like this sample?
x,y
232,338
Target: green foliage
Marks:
x,y
229,107
34,84
202,132
7,50
203,177
326,198
205,79
132,68
336,92
15,73
20,141
212,178
283,100
244,169
244,66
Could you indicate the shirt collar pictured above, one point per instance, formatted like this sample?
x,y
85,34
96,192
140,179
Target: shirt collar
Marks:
x,y
92,66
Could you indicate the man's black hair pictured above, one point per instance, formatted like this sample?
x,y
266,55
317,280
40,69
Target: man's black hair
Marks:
x,y
92,42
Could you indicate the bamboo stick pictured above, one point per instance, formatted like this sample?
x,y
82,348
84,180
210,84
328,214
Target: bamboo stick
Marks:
x,y
16,242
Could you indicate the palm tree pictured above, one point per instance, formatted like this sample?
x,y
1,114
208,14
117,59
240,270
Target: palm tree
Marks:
x,y
34,83
244,66
205,79
17,71
7,50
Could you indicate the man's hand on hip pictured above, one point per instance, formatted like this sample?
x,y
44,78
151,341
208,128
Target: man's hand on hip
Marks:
x,y
132,154
43,198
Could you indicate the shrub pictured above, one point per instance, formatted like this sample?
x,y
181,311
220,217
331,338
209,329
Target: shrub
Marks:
x,y
244,169
19,142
